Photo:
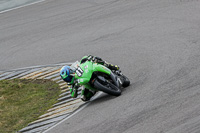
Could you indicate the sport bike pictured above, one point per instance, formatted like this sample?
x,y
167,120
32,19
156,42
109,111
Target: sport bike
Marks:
x,y
97,77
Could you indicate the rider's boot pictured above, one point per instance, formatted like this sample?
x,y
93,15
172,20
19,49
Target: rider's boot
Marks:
x,y
111,66
106,64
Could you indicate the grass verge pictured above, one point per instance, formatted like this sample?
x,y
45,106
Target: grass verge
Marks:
x,y
23,101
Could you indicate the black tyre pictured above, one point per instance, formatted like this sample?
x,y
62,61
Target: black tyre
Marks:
x,y
126,81
108,88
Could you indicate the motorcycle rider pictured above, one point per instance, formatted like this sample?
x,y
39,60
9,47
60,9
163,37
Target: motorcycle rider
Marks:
x,y
67,74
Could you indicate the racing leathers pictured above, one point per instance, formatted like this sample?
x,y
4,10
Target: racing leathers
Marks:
x,y
86,94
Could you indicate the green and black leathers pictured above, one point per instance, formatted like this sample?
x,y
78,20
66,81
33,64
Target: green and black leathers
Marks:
x,y
83,74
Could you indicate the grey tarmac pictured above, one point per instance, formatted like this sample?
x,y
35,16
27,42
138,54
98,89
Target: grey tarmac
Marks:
x,y
155,42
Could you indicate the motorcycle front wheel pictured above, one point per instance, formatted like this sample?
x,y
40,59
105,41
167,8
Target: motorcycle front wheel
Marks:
x,y
108,88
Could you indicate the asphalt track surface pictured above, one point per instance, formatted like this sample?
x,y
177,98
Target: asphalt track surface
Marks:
x,y
155,42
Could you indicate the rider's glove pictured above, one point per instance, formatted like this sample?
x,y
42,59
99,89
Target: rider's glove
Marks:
x,y
73,91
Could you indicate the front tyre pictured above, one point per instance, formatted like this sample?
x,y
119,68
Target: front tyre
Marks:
x,y
108,88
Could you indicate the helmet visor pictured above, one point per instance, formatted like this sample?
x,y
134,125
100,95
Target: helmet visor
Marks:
x,y
66,73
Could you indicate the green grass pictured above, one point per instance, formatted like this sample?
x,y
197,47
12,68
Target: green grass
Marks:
x,y
23,101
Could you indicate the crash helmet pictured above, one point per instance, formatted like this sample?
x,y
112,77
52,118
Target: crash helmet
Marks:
x,y
67,74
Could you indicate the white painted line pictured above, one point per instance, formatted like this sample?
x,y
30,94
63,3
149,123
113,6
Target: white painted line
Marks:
x,y
39,66
78,110
21,6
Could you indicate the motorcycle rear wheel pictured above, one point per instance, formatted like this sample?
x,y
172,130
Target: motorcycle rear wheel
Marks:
x,y
126,81
108,88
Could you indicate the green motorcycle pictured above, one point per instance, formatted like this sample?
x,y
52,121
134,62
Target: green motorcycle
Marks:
x,y
97,77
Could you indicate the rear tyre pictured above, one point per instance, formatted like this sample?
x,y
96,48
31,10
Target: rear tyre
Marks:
x,y
126,81
108,88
